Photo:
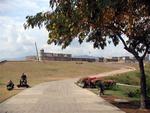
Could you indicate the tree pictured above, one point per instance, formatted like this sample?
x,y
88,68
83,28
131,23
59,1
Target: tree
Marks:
x,y
100,22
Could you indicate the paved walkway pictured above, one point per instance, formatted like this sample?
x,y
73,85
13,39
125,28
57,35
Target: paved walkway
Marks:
x,y
57,97
60,97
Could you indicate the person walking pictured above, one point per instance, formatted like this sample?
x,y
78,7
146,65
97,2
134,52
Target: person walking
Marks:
x,y
101,88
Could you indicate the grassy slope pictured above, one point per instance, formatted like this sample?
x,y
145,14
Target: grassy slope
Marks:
x,y
47,71
131,78
119,91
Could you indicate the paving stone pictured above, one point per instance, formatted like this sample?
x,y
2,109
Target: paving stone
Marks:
x,y
57,97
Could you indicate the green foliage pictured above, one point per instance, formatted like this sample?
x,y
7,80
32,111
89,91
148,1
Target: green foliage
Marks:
x,y
130,78
97,21
133,78
113,87
109,84
127,91
133,93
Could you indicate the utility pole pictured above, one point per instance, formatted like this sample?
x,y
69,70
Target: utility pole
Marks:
x,y
37,52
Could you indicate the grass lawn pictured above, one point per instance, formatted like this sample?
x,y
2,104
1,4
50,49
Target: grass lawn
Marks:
x,y
131,78
38,72
130,93
119,91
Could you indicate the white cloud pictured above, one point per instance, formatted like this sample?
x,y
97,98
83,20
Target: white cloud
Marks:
x,y
18,7
25,40
16,42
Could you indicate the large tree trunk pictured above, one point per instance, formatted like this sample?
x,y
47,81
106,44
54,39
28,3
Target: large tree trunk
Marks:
x,y
143,84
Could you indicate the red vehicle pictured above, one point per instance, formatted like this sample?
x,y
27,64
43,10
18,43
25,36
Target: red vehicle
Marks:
x,y
87,82
91,82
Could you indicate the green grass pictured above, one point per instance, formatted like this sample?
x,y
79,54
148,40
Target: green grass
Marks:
x,y
131,78
119,91
39,72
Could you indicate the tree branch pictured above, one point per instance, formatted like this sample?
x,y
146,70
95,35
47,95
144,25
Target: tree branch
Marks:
x,y
146,51
128,49
125,45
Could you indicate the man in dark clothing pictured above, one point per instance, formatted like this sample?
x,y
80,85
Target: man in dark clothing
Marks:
x,y
101,88
23,76
23,81
10,85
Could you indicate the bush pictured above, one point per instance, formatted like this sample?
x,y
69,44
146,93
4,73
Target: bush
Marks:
x,y
133,93
109,84
115,88
130,78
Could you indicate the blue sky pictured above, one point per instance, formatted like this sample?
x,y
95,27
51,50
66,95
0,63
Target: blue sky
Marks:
x,y
17,42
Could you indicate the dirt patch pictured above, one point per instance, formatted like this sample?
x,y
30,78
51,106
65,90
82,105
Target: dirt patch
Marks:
x,y
129,107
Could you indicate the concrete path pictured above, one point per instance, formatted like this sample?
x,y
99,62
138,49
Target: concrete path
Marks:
x,y
57,97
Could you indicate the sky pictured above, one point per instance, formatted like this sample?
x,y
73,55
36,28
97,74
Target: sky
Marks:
x,y
17,42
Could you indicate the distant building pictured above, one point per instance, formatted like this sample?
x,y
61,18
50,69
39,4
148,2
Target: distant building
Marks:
x,y
68,57
83,59
122,59
101,59
113,59
54,56
127,59
59,57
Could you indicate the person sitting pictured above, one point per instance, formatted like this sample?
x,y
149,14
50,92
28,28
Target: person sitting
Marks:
x,y
10,85
23,81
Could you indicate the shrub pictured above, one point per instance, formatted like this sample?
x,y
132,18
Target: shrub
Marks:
x,y
133,93
115,88
109,84
130,78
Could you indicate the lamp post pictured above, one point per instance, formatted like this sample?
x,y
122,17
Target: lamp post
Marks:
x,y
37,57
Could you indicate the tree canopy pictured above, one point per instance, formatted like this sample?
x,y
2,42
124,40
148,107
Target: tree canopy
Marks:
x,y
96,21
100,22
